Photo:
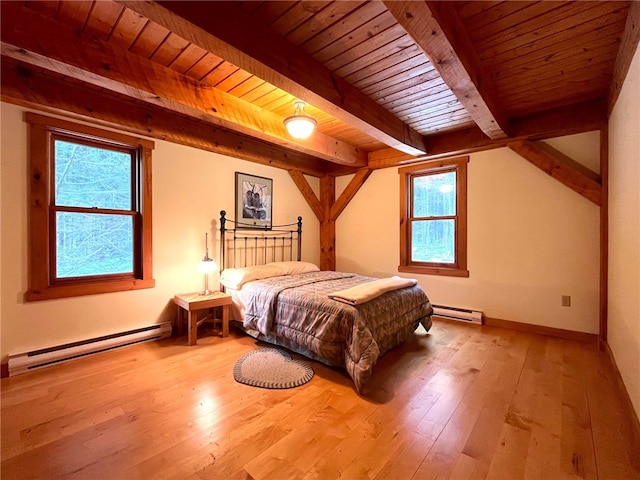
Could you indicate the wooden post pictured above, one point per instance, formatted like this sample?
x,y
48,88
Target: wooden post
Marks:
x,y
327,225
604,235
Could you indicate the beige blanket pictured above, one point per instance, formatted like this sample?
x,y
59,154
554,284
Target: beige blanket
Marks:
x,y
368,291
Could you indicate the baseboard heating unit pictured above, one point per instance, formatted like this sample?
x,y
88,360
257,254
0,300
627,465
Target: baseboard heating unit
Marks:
x,y
24,362
461,314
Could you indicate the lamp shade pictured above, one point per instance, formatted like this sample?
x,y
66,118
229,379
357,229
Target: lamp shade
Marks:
x,y
207,265
300,125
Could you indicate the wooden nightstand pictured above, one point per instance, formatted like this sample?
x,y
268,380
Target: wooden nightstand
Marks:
x,y
191,303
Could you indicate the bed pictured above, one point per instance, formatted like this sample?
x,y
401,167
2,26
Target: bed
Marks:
x,y
338,318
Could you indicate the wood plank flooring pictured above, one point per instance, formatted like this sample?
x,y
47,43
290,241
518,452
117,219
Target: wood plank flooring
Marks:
x,y
461,402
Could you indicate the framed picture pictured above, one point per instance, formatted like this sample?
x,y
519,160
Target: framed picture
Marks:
x,y
253,201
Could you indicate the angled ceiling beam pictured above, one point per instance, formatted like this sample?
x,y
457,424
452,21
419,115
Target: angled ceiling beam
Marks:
x,y
99,63
31,87
232,34
577,118
349,192
555,167
307,192
628,46
437,29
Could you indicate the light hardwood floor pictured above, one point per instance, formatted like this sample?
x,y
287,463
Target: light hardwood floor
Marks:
x,y
461,402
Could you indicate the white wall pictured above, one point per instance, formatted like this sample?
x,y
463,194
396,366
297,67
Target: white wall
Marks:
x,y
530,241
624,232
190,187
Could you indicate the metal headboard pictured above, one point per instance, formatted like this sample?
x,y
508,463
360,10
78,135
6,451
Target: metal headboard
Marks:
x,y
244,244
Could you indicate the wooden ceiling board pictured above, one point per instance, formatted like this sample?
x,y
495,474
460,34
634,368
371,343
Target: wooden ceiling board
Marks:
x,y
414,96
252,5
169,50
103,17
373,46
446,105
440,99
386,57
204,67
558,48
246,86
476,13
48,8
323,20
188,58
219,73
382,82
358,34
578,86
448,122
269,100
566,20
258,92
367,12
232,80
510,15
127,28
283,104
553,44
398,63
557,64
422,82
296,15
150,38
269,11
74,14
422,115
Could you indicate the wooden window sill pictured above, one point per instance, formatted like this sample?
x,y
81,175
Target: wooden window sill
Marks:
x,y
64,291
442,271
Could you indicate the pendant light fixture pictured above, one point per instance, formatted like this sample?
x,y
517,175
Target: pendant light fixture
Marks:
x,y
300,124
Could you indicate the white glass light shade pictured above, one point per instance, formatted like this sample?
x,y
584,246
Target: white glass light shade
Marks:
x,y
207,265
300,125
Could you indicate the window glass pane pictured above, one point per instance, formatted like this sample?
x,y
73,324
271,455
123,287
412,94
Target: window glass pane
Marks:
x,y
93,244
433,241
92,177
434,195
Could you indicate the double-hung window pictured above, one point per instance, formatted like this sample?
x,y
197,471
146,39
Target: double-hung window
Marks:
x,y
433,210
90,210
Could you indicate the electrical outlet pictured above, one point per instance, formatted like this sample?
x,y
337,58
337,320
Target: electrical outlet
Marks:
x,y
566,300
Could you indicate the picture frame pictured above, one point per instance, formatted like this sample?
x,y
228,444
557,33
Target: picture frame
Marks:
x,y
254,197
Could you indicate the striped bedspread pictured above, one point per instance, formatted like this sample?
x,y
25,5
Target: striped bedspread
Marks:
x,y
296,312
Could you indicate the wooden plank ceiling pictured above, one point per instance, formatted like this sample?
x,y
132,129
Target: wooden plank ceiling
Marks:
x,y
388,82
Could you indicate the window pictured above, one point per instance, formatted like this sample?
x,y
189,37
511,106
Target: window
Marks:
x,y
89,210
433,226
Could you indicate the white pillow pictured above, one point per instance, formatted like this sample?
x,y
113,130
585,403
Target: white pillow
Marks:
x,y
236,277
293,268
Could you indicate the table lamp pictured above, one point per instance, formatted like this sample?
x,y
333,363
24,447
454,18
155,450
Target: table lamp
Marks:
x,y
207,265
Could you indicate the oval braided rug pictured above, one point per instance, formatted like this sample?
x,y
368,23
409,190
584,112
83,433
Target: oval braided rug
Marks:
x,y
271,368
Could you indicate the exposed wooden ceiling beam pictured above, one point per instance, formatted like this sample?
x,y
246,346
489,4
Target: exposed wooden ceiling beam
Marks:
x,y
100,63
628,46
31,87
558,169
232,34
437,29
578,118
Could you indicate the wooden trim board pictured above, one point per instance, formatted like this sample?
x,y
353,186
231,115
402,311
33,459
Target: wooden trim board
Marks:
x,y
542,330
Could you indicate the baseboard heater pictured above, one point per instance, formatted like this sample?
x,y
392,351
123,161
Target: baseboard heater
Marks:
x,y
461,314
24,362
